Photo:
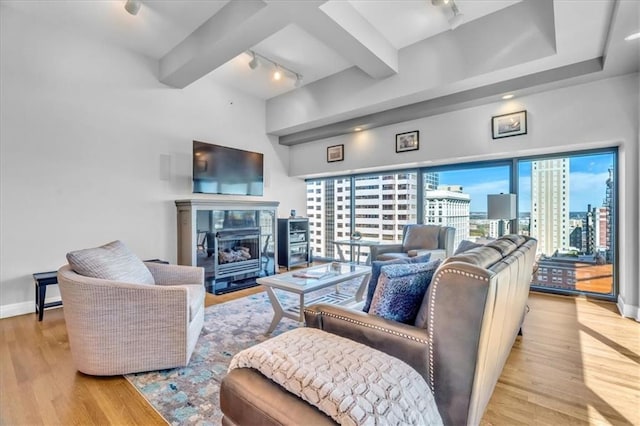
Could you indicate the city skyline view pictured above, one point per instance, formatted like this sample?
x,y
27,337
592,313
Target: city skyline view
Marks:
x,y
572,198
587,174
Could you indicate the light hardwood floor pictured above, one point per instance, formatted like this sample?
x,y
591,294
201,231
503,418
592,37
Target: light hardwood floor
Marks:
x,y
577,363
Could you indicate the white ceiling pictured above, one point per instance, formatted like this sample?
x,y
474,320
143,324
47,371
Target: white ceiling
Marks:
x,y
407,22
160,25
325,40
401,22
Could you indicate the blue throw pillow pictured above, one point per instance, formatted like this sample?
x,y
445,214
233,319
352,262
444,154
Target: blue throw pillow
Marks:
x,y
376,267
401,289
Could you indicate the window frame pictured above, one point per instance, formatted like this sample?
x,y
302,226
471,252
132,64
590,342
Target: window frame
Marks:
x,y
514,183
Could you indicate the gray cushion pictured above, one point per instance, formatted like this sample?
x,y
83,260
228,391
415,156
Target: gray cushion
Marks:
x,y
376,269
503,245
421,237
466,245
401,289
483,257
112,261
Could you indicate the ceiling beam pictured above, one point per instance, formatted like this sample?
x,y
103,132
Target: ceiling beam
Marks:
x,y
240,25
339,25
237,27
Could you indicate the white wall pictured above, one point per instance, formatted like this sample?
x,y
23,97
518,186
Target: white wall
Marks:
x,y
598,114
93,148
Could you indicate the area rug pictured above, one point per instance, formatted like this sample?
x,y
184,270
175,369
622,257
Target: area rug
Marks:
x,y
190,395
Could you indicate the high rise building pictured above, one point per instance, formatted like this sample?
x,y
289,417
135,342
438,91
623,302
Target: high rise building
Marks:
x,y
448,206
601,225
383,204
608,203
575,237
550,204
431,181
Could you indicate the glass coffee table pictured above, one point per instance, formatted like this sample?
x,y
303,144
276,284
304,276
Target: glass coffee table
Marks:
x,y
309,280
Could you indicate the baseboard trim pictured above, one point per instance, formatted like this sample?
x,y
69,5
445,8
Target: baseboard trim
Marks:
x,y
628,311
22,308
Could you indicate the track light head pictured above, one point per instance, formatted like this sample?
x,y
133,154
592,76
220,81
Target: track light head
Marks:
x,y
132,6
277,74
457,19
279,71
253,63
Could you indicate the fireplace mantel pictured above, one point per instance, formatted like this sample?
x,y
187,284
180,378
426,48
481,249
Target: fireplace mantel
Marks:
x,y
199,220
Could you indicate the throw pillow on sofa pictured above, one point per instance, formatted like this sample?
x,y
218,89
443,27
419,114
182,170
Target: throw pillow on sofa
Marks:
x,y
113,261
466,245
401,289
376,267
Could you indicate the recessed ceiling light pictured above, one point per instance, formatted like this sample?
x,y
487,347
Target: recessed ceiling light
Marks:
x,y
509,96
633,36
357,129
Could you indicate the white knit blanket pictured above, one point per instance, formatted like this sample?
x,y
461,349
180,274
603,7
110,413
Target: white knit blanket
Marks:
x,y
350,382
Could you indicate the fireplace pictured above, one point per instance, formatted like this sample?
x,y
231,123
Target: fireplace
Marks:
x,y
237,251
234,241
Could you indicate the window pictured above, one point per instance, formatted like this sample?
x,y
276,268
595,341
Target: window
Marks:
x,y
457,196
567,202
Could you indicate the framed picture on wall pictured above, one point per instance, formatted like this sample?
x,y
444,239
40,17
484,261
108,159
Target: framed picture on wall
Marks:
x,y
335,153
514,124
408,141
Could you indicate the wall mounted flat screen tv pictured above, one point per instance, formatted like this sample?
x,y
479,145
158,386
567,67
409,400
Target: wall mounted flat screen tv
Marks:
x,y
222,170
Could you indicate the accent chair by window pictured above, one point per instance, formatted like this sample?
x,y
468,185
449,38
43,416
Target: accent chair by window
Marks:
x,y
418,240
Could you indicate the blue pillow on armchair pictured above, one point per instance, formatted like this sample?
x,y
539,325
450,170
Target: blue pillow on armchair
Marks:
x,y
401,289
376,267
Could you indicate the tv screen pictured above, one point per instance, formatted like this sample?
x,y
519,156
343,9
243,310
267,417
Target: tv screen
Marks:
x,y
222,170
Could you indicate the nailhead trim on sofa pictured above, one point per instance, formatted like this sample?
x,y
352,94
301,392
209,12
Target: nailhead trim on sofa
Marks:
x,y
364,324
432,305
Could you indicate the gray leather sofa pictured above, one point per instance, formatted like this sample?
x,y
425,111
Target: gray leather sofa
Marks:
x,y
470,317
418,240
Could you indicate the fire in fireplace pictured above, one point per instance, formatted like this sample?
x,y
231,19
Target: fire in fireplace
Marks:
x,y
237,251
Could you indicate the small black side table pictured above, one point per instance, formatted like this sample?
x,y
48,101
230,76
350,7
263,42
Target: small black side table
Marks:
x,y
42,280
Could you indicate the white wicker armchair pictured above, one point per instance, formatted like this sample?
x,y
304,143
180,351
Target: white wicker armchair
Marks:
x,y
120,328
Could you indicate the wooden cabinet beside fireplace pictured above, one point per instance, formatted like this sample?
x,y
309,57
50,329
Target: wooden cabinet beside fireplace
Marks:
x,y
293,242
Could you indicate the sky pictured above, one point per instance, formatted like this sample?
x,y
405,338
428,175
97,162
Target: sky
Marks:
x,y
587,182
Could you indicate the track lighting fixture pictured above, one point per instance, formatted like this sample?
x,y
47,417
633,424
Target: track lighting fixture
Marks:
x,y
253,63
132,6
279,70
458,18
